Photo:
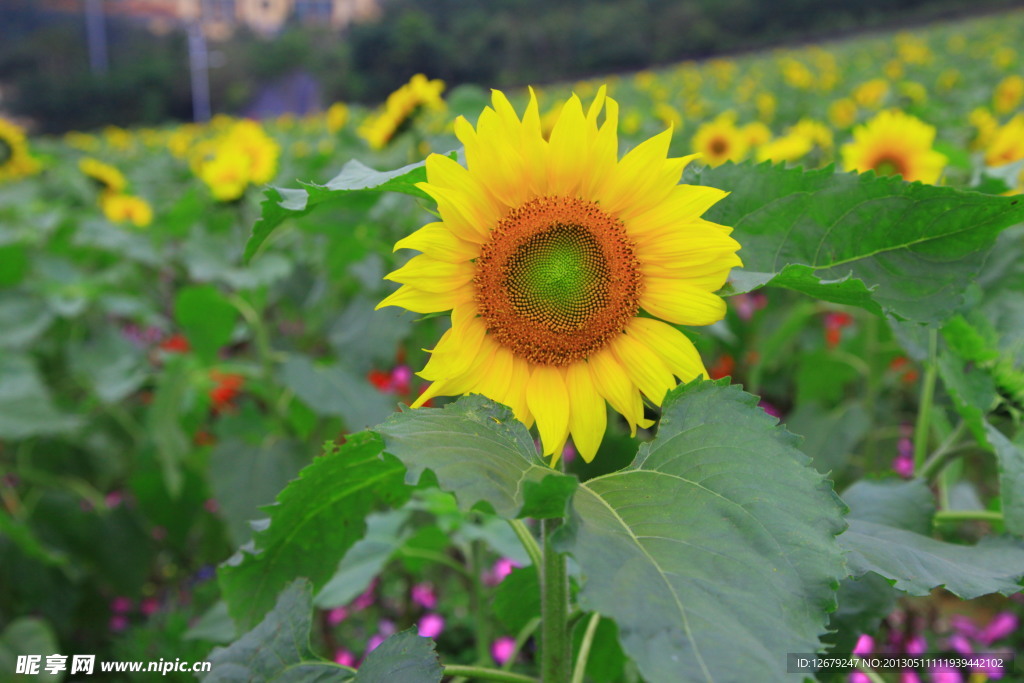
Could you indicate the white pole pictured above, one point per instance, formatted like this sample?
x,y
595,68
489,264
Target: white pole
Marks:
x,y
199,64
96,33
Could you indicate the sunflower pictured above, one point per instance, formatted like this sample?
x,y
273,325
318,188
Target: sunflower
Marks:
x,y
15,160
894,143
400,108
719,141
126,208
106,176
556,260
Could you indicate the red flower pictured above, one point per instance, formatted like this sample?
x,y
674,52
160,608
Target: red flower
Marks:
x,y
834,324
900,364
226,389
723,367
176,343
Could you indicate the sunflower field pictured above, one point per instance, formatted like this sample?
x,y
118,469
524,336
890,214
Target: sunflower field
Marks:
x,y
711,373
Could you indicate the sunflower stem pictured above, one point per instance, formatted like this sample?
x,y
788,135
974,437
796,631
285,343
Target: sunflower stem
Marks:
x,y
556,654
924,411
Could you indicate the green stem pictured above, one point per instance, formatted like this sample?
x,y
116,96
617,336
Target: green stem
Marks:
x,y
584,653
968,516
927,397
556,653
937,460
524,635
487,674
528,541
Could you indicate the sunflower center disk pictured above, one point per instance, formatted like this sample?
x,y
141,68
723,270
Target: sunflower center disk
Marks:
x,y
558,279
886,166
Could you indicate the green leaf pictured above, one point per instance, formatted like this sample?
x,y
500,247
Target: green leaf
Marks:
x,y
110,364
318,517
887,524
206,317
517,598
897,503
14,264
29,636
277,649
164,421
23,317
718,539
25,405
606,661
972,389
829,435
335,391
1010,456
366,559
403,658
245,477
478,451
863,603
913,248
355,178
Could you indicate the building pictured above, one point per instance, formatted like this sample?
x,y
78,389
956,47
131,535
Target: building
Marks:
x,y
219,18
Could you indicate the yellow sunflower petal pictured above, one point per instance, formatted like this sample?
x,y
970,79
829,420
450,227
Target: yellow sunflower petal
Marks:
x,y
588,417
421,301
616,387
548,399
673,347
681,303
432,275
437,241
644,367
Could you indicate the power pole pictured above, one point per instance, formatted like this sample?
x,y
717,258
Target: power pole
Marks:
x,y
199,65
96,33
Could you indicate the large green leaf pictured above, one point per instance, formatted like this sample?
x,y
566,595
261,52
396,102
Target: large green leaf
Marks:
x,y
480,452
29,636
277,649
886,536
1010,456
206,317
318,517
878,243
403,658
718,539
355,177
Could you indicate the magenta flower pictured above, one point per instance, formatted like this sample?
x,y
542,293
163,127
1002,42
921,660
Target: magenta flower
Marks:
x,y
502,649
431,625
344,658
909,676
1003,625
118,622
336,616
121,605
499,571
374,643
423,595
944,675
367,598
149,606
865,645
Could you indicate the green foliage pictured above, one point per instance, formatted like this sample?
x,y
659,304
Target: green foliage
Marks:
x,y
318,517
879,243
402,658
481,453
655,540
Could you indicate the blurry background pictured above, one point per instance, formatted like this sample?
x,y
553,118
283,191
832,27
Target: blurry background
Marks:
x,y
81,64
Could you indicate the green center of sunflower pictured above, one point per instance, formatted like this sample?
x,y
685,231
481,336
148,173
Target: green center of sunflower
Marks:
x,y
886,166
557,280
6,151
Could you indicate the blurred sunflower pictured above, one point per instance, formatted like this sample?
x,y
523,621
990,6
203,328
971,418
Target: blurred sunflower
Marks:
x,y
15,160
1008,94
894,143
1006,143
242,155
126,208
107,177
719,141
547,252
401,108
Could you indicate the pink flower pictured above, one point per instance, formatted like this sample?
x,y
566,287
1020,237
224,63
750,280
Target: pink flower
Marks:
x,y
748,304
568,453
916,645
344,658
431,625
1004,624
367,598
909,676
502,649
211,505
865,645
336,616
499,571
401,378
859,677
959,643
770,409
121,605
963,626
903,466
944,675
118,622
374,643
149,606
113,499
423,595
